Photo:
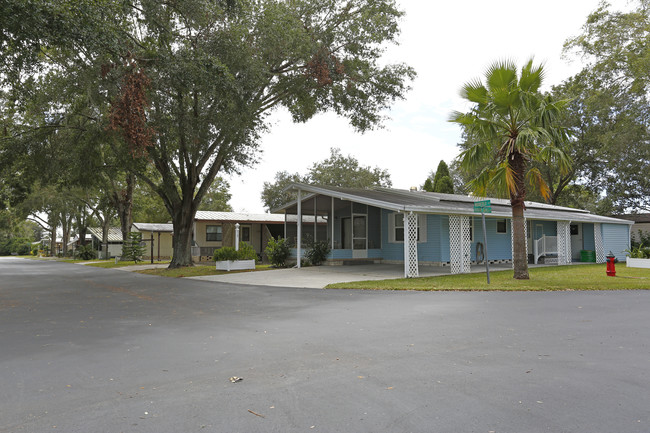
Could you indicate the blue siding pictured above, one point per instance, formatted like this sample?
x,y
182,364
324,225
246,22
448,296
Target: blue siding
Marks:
x,y
392,251
444,238
429,251
588,241
549,228
340,254
498,243
616,238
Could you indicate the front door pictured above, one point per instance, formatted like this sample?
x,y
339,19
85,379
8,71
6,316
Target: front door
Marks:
x,y
576,241
359,236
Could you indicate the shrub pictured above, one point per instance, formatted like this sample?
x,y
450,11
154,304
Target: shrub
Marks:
x,y
24,248
246,252
638,252
224,254
86,252
12,246
317,252
278,252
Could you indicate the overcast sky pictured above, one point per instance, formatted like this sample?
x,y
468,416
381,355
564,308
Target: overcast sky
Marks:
x,y
448,44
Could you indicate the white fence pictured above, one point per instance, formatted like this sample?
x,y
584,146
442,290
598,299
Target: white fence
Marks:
x,y
544,246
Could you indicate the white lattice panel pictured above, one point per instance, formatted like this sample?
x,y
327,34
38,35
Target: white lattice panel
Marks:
x,y
459,244
563,243
598,241
411,245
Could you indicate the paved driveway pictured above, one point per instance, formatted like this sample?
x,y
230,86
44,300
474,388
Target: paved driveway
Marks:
x,y
97,350
318,277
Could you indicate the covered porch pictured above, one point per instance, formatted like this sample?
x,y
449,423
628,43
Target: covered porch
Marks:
x,y
351,229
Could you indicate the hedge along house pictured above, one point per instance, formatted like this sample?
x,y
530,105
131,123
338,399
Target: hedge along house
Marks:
x,y
422,228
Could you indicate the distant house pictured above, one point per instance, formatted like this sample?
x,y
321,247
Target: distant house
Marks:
x,y
213,230
162,235
422,228
641,224
114,241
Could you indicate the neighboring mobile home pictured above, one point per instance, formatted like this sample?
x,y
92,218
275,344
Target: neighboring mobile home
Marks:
x,y
421,228
641,227
157,237
114,241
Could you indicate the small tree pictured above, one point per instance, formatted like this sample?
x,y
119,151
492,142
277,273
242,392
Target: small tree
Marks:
x,y
278,252
317,252
133,248
442,180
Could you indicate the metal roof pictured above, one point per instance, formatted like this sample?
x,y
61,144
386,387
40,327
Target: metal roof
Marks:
x,y
637,218
439,203
239,217
154,227
264,218
114,234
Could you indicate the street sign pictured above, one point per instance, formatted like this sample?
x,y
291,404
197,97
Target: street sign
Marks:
x,y
483,206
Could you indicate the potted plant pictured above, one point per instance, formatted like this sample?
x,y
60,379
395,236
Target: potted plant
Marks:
x,y
638,257
230,259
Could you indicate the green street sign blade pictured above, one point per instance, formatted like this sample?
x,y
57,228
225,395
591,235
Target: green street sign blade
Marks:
x,y
483,206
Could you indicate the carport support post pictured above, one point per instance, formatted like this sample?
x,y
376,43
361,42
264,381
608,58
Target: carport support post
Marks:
x,y
332,222
299,224
237,237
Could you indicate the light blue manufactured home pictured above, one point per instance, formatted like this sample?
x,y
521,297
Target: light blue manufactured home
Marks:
x,y
421,228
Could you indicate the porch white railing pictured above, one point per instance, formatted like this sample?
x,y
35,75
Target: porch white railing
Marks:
x,y
544,246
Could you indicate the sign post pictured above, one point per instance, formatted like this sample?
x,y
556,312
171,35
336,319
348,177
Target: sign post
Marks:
x,y
484,207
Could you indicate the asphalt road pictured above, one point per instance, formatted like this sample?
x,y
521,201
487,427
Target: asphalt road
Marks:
x,y
91,350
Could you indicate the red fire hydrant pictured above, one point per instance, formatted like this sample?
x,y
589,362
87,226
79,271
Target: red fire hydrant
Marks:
x,y
611,268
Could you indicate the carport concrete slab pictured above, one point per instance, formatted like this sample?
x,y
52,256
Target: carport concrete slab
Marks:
x,y
318,277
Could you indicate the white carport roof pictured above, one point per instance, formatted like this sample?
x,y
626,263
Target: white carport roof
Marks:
x,y
154,227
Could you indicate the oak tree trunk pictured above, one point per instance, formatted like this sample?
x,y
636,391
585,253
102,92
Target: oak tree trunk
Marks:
x,y
183,221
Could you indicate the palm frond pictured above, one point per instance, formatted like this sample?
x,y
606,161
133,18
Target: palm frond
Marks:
x,y
555,156
535,180
531,77
501,75
476,156
474,91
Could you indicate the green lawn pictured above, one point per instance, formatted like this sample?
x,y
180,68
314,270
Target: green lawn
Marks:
x,y
574,277
196,271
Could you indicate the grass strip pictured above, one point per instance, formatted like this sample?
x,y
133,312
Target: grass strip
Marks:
x,y
573,277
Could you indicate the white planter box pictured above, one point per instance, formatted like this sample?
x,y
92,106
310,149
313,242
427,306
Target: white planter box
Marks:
x,y
638,263
235,265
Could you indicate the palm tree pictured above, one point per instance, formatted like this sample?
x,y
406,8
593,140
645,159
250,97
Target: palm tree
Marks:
x,y
510,125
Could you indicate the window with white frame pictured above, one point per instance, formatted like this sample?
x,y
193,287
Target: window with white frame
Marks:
x,y
246,233
502,226
213,233
399,227
396,227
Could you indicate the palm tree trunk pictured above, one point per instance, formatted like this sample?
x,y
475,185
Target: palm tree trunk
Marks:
x,y
519,253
